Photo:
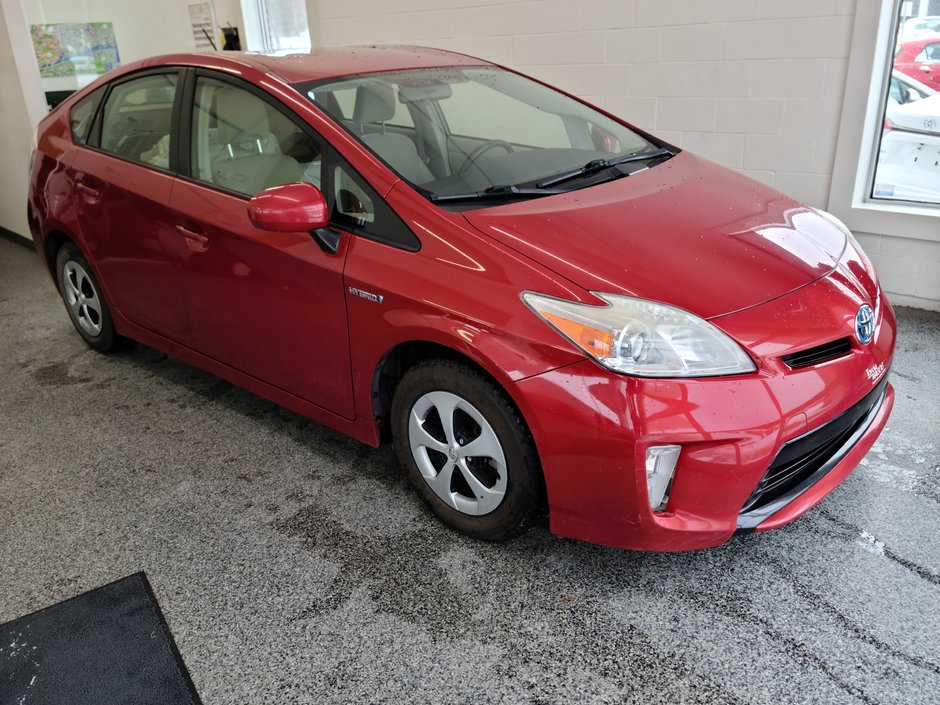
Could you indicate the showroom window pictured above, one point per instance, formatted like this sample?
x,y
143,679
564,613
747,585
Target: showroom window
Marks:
x,y
906,162
277,26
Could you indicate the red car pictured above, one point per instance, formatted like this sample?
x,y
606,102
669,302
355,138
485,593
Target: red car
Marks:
x,y
920,59
540,305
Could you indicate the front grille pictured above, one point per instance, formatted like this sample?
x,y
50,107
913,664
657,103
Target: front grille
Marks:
x,y
815,452
811,356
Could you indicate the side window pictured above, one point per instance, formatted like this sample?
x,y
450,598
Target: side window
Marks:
x,y
929,54
137,119
354,206
82,114
346,102
244,144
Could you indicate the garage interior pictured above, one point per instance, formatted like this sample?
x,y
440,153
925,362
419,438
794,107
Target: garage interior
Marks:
x,y
294,565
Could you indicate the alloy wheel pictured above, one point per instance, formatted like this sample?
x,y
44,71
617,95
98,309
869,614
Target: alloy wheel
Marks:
x,y
458,453
82,298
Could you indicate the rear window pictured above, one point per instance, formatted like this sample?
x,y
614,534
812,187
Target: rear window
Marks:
x,y
137,119
929,54
82,115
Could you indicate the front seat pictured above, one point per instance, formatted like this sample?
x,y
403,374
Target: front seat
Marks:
x,y
250,159
375,103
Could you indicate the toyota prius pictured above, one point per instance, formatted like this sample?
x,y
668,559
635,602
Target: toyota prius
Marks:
x,y
545,309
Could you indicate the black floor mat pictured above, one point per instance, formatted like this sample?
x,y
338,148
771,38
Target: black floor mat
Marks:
x,y
109,646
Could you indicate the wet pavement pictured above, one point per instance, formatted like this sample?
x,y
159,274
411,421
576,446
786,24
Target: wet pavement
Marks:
x,y
295,566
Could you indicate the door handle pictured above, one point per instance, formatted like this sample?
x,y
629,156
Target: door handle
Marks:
x,y
192,235
925,69
196,241
88,190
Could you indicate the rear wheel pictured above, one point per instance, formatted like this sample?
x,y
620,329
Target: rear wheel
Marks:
x,y
468,452
83,299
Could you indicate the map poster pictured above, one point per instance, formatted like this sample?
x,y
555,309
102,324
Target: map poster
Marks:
x,y
81,49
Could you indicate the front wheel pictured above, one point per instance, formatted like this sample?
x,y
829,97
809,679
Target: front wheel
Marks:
x,y
83,299
468,452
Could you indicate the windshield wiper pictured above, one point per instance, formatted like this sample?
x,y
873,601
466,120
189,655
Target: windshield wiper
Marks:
x,y
494,193
600,164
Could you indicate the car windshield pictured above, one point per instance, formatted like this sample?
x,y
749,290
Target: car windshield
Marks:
x,y
482,132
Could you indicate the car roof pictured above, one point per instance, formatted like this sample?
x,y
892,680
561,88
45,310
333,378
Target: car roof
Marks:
x,y
918,43
321,63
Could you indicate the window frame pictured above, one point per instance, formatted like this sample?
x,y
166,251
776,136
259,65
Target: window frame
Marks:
x,y
93,140
870,62
186,125
304,88
331,158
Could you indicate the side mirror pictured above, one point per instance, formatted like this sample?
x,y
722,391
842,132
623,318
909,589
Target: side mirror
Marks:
x,y
295,207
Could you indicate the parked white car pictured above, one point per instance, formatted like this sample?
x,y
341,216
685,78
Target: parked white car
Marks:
x,y
903,89
909,159
918,27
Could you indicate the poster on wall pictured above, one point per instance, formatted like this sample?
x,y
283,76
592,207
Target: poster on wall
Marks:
x,y
73,55
202,19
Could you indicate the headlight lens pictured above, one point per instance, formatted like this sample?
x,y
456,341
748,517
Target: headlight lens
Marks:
x,y
643,338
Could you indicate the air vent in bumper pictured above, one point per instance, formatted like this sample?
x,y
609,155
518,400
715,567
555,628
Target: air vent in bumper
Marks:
x,y
803,461
820,353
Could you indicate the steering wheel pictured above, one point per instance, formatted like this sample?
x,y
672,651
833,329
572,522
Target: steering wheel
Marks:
x,y
479,151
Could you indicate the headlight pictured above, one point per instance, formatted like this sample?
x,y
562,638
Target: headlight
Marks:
x,y
643,338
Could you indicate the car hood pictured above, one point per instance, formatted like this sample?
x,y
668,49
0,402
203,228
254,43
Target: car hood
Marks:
x,y
687,232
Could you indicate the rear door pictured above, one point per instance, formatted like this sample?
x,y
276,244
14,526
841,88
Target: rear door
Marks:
x,y
123,182
927,63
269,304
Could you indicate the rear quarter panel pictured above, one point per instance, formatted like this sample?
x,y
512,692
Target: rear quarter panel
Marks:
x,y
51,205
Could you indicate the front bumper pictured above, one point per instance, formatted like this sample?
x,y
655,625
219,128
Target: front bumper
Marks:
x,y
801,463
592,429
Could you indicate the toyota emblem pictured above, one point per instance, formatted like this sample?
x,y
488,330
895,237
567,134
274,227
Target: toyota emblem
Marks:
x,y
865,324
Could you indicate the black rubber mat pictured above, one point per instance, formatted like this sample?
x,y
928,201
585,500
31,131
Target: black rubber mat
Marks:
x,y
107,646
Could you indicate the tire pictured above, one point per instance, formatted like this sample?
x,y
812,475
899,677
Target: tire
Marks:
x,y
492,495
83,299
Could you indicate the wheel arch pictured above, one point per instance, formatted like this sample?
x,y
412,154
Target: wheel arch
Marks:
x,y
408,354
403,356
52,243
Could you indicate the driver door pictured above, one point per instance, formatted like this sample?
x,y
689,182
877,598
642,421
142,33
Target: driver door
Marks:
x,y
269,304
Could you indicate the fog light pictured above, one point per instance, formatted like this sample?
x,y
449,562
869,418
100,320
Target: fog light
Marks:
x,y
660,466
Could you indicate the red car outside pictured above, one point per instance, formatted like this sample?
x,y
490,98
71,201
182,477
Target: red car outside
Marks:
x,y
538,304
920,59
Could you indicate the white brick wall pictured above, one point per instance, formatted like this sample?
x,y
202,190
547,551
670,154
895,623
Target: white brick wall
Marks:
x,y
755,85
909,269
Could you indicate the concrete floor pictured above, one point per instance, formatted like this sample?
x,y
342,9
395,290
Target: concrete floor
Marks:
x,y
295,566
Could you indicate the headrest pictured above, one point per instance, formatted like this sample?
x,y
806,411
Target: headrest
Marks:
x,y
240,114
375,102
